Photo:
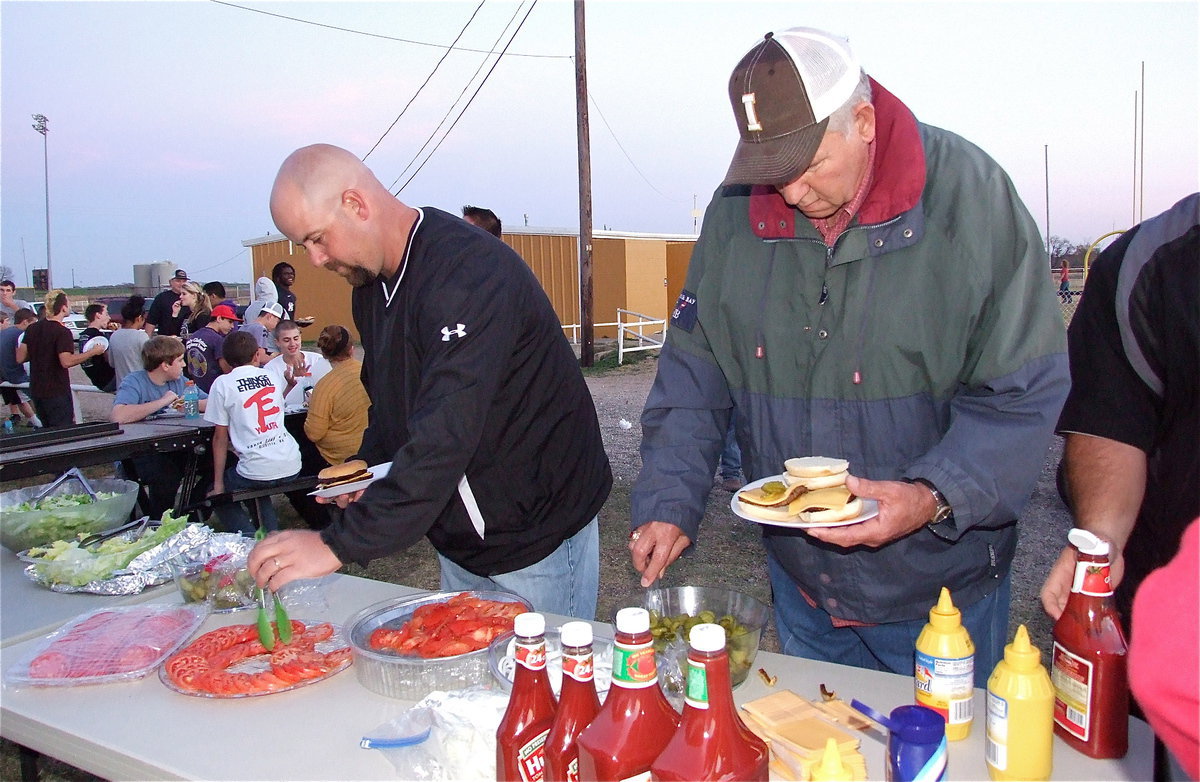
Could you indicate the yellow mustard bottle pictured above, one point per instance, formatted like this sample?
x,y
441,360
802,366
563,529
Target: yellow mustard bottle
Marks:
x,y
945,668
831,768
1020,714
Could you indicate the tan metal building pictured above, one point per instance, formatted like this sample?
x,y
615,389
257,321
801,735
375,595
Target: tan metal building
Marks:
x,y
633,271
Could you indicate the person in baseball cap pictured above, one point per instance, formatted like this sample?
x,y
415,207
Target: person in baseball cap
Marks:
x,y
225,311
870,288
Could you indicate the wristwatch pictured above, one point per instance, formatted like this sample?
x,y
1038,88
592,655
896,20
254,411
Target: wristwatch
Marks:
x,y
943,512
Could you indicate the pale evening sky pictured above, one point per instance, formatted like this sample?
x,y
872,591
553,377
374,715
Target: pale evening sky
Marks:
x,y
168,120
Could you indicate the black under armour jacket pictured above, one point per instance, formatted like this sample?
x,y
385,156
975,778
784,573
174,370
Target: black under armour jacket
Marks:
x,y
478,401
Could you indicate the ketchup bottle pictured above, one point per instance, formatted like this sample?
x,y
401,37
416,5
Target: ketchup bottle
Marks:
x,y
712,742
521,736
635,722
1091,689
577,703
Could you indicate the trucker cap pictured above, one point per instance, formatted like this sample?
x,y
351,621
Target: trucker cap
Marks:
x,y
225,311
272,308
782,93
180,274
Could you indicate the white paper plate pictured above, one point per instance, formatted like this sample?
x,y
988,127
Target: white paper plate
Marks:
x,y
870,510
377,472
93,342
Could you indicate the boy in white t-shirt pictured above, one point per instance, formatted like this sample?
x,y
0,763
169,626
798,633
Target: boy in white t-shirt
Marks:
x,y
296,371
247,408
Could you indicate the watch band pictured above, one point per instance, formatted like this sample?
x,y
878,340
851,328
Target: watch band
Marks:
x,y
943,511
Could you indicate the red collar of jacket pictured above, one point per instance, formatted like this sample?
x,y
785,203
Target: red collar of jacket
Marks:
x,y
898,178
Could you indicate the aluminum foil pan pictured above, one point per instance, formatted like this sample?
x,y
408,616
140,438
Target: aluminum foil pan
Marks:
x,y
150,568
412,678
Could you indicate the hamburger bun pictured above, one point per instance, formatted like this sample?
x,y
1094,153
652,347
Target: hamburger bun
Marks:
x,y
825,506
347,472
763,497
822,506
819,481
815,466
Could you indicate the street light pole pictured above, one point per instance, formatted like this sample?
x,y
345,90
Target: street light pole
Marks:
x,y
42,126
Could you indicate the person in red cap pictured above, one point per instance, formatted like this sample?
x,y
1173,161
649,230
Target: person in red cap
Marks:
x,y
870,288
202,353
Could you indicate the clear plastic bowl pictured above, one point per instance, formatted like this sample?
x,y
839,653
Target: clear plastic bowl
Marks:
x,y
411,677
749,612
503,664
20,530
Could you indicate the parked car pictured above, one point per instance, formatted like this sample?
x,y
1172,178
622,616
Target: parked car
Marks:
x,y
74,321
115,303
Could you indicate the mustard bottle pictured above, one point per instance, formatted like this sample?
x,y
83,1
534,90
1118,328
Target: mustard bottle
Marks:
x,y
831,768
1020,714
945,668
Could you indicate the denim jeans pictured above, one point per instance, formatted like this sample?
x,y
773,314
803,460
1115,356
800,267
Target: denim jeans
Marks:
x,y
233,515
731,454
805,631
565,582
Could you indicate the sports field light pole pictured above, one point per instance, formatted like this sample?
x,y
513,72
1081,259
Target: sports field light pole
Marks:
x,y
42,126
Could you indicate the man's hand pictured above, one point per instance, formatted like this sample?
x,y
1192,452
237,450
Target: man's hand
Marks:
x,y
169,399
218,487
1057,587
903,508
341,500
283,557
655,545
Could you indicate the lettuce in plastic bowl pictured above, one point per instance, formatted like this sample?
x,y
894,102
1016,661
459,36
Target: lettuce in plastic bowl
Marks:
x,y
64,514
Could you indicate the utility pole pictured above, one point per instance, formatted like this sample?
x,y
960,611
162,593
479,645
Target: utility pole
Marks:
x,y
587,348
1046,150
25,262
42,125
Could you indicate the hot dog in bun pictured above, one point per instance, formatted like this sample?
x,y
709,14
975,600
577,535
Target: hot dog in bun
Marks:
x,y
345,473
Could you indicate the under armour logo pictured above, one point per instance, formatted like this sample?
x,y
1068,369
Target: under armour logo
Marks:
x,y
752,122
461,331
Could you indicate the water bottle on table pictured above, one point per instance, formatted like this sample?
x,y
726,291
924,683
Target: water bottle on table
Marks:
x,y
191,400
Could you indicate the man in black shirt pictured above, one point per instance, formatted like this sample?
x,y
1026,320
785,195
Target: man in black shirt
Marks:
x,y
477,399
98,370
167,314
283,274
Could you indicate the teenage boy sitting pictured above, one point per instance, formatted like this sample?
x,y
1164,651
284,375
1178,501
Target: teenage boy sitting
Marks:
x,y
247,409
156,387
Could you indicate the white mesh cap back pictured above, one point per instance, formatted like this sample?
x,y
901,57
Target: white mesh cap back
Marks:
x,y
826,64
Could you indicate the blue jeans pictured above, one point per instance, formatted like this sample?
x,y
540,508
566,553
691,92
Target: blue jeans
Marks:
x,y
805,631
565,582
731,455
233,515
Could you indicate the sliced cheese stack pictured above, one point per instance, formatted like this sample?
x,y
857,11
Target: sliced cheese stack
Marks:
x,y
798,730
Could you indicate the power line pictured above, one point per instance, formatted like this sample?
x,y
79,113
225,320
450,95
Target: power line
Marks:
x,y
227,260
441,60
384,37
487,76
626,154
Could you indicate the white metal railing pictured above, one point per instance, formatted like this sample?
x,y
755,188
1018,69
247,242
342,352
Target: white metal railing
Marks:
x,y
644,342
624,328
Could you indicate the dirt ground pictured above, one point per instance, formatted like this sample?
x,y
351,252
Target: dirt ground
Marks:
x,y
729,551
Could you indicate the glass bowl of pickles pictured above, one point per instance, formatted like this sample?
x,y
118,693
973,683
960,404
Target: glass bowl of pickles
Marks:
x,y
675,610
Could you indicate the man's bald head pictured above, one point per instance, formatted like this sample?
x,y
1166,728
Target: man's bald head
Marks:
x,y
328,201
313,179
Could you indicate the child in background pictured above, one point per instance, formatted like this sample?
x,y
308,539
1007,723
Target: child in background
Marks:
x,y
247,409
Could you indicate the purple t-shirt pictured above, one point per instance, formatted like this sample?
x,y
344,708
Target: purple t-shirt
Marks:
x,y
201,357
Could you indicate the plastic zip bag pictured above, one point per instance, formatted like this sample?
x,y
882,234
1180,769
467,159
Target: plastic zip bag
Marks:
x,y
446,736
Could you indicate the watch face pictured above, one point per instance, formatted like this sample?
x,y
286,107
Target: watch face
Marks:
x,y
942,513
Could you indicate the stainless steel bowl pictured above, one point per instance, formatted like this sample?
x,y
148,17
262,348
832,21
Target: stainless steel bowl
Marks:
x,y
751,613
410,677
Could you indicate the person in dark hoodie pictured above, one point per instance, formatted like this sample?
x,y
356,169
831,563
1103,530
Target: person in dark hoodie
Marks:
x,y
477,399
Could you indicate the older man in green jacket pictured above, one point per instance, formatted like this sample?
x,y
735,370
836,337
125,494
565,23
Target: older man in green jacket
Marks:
x,y
870,288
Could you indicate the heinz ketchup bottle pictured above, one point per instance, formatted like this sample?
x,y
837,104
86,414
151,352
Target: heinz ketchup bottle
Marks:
x,y
577,703
521,737
712,742
1091,688
635,722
